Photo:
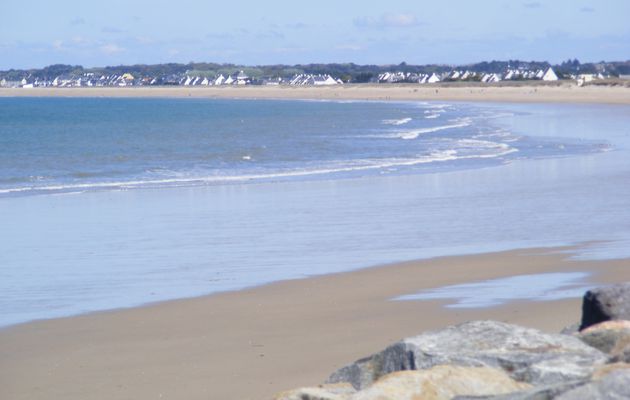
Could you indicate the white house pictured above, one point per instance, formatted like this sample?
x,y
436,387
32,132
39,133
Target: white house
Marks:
x,y
550,75
433,78
229,80
490,78
242,78
220,80
324,80
512,74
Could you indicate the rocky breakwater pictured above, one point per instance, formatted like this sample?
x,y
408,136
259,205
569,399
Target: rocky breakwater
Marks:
x,y
496,360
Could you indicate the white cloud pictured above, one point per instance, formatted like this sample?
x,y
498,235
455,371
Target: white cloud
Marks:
x,y
111,48
387,21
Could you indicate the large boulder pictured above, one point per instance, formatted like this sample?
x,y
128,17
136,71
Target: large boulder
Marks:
x,y
615,385
322,392
544,392
440,383
611,337
564,390
527,355
605,304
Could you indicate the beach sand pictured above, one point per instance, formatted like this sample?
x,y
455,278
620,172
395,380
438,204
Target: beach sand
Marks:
x,y
253,343
540,92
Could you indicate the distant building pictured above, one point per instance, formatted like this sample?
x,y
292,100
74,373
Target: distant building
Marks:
x,y
550,75
315,80
433,78
242,78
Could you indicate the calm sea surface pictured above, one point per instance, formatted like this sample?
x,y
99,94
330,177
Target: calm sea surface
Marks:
x,y
109,203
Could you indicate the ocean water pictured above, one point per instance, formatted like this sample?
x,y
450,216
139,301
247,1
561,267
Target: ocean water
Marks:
x,y
110,203
63,145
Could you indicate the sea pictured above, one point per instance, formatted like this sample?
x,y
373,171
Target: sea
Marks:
x,y
108,203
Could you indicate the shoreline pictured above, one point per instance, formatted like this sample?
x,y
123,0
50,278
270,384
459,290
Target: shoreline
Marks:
x,y
529,93
259,341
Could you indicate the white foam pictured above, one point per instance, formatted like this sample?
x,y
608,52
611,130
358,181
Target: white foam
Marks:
x,y
401,121
359,165
432,116
438,107
417,132
499,149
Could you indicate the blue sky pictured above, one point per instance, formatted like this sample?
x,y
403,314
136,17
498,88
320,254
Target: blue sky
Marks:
x,y
39,33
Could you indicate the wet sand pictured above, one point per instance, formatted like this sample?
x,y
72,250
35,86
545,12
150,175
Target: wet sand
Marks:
x,y
253,343
565,92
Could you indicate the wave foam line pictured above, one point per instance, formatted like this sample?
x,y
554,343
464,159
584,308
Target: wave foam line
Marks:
x,y
401,121
415,133
438,156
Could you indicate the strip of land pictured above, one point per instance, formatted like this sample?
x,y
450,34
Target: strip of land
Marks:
x,y
535,93
253,343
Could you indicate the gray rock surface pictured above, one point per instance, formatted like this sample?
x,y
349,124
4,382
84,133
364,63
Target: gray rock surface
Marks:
x,y
440,383
322,392
527,355
605,304
544,392
571,329
611,337
615,385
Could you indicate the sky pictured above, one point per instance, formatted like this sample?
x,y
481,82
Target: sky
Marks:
x,y
42,32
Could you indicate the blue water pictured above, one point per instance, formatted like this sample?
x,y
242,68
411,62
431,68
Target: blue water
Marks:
x,y
109,203
538,287
60,145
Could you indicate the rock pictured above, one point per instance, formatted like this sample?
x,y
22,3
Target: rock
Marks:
x,y
604,370
615,385
545,392
527,355
551,392
441,382
623,356
338,391
611,337
605,304
571,329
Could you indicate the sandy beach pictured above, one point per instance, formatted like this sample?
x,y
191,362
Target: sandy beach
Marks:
x,y
253,343
535,93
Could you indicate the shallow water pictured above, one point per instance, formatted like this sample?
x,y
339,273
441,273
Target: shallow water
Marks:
x,y
493,292
73,251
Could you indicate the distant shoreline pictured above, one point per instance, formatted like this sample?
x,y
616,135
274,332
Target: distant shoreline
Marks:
x,y
516,93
